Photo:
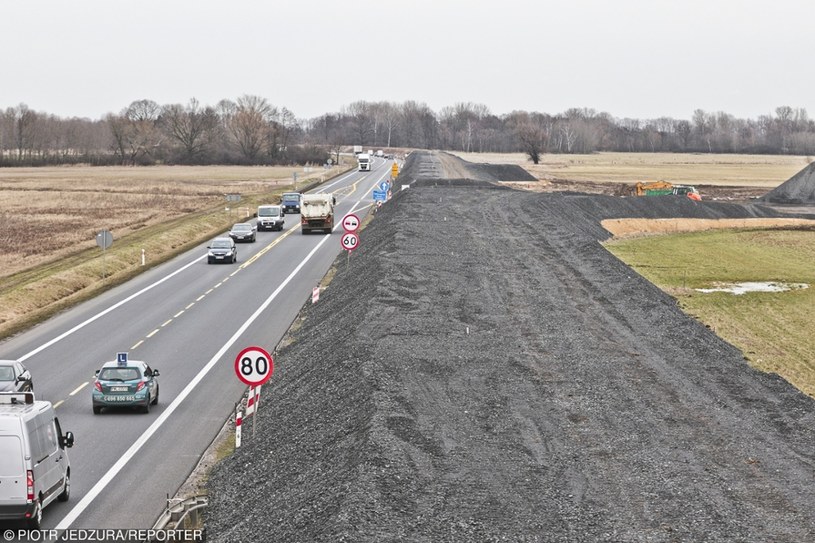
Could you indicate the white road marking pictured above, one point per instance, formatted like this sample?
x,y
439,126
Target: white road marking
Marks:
x,y
80,387
153,333
97,489
105,312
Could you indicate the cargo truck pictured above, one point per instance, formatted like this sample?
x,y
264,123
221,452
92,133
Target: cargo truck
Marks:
x,y
317,213
364,162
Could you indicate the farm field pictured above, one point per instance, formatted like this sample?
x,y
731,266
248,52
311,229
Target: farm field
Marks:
x,y
772,329
761,171
49,218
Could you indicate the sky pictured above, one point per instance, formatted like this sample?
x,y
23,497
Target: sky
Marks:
x,y
639,59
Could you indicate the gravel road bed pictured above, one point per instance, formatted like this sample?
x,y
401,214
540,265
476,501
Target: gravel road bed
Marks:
x,y
484,370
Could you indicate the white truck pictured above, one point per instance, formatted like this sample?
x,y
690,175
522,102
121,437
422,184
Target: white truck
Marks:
x,y
34,466
364,162
380,153
317,212
357,149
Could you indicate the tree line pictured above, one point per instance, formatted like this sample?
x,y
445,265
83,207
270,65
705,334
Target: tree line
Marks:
x,y
250,130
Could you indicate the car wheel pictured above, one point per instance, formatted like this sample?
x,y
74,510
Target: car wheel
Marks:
x,y
66,491
155,401
96,409
35,521
146,407
234,258
209,261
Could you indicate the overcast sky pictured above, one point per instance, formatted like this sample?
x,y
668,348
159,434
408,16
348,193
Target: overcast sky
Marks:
x,y
630,58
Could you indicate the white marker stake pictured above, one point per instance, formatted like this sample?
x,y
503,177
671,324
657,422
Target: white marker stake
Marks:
x,y
238,421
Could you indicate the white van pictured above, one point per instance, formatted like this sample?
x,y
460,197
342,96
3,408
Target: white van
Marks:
x,y
34,465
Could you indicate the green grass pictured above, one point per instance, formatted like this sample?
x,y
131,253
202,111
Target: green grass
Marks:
x,y
773,330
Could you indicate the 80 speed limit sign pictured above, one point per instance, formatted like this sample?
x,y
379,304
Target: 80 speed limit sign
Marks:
x,y
350,241
254,366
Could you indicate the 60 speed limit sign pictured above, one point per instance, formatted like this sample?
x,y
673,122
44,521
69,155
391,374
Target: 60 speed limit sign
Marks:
x,y
350,241
254,366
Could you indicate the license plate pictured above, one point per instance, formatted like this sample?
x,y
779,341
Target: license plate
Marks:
x,y
118,389
218,257
121,398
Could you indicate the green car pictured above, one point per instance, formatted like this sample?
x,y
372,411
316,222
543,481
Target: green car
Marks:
x,y
125,383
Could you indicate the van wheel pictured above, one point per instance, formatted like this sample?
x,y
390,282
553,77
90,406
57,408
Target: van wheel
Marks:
x,y
66,491
35,521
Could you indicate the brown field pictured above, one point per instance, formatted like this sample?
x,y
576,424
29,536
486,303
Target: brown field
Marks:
x,y
47,213
760,171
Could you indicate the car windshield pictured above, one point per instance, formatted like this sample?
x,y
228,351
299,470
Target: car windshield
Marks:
x,y
120,374
291,197
6,373
242,227
220,244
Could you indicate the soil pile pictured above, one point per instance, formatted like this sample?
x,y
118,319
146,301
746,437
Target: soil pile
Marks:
x,y
484,370
797,190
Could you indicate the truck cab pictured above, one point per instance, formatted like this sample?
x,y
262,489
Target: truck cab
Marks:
x,y
364,162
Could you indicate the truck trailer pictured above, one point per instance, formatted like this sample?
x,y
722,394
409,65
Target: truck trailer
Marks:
x,y
317,213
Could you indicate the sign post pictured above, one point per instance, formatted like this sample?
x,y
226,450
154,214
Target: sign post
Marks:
x,y
254,366
104,239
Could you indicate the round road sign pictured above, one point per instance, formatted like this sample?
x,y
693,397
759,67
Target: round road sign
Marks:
x,y
104,239
350,241
350,222
254,366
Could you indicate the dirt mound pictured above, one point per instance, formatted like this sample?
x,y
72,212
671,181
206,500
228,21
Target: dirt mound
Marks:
x,y
510,380
797,190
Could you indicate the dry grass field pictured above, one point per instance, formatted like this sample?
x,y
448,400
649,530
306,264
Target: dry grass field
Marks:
x,y
49,218
693,169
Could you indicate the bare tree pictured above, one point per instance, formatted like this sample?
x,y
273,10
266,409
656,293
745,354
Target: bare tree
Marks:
x,y
190,127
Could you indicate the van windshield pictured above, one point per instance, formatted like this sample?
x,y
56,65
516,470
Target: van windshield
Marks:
x,y
268,212
291,197
11,456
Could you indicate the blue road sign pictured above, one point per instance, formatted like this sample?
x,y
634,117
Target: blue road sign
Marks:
x,y
384,186
380,195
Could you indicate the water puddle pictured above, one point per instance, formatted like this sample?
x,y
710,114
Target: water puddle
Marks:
x,y
767,286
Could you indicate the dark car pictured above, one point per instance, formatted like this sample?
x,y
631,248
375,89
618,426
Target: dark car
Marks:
x,y
290,202
14,377
125,383
222,250
243,231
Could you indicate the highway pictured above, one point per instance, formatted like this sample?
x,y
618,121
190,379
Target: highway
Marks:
x,y
189,320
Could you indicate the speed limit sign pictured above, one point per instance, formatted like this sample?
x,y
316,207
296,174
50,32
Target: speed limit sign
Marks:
x,y
254,366
350,241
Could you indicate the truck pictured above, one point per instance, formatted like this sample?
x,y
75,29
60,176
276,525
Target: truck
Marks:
x,y
34,465
663,188
380,153
364,162
357,149
317,212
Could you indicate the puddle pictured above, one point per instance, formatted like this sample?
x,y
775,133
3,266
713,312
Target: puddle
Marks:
x,y
741,288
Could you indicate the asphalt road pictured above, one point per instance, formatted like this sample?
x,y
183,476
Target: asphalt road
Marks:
x,y
189,320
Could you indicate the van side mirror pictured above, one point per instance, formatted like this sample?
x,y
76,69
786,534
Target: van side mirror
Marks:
x,y
67,440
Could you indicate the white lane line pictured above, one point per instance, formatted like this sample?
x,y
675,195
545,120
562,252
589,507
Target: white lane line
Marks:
x,y
137,344
97,489
80,387
179,314
166,323
153,333
105,312
189,306
59,403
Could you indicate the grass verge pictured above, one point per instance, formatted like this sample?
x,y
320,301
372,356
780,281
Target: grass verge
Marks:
x,y
773,330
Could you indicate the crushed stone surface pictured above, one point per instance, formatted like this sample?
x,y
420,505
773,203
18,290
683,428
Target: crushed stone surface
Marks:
x,y
484,370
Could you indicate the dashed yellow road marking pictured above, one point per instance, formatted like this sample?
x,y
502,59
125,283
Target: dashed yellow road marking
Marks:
x,y
59,403
77,389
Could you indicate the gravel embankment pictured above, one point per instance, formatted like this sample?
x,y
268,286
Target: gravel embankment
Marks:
x,y
484,370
